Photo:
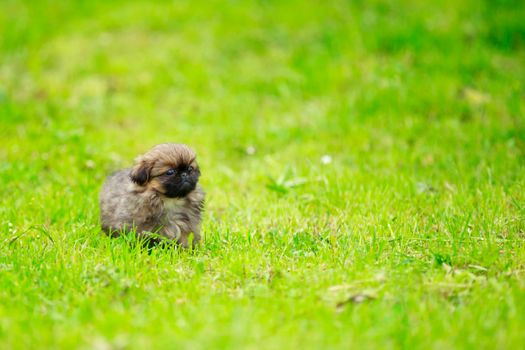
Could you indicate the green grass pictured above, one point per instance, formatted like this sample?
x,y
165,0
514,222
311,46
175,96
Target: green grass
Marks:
x,y
410,234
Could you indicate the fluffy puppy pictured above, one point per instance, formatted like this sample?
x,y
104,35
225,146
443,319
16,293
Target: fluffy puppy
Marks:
x,y
158,195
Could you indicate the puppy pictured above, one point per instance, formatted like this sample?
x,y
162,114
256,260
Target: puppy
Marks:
x,y
159,195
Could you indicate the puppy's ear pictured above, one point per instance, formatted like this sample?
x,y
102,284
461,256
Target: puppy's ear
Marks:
x,y
141,172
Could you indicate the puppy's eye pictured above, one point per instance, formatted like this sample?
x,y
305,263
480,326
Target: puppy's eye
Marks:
x,y
190,169
170,172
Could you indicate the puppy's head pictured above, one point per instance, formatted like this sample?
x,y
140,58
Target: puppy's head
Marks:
x,y
169,169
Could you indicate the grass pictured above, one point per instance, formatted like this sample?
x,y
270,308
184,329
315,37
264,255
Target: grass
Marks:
x,y
364,166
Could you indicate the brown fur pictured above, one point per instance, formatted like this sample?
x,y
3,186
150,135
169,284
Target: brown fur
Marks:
x,y
145,199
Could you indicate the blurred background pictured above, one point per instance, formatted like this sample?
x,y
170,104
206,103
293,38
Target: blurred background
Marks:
x,y
340,93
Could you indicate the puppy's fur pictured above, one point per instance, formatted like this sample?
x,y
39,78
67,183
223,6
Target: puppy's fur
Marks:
x,y
160,194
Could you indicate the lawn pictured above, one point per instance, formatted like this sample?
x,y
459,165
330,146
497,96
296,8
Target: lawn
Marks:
x,y
364,163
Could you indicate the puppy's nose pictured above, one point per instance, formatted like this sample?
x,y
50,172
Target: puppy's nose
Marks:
x,y
184,175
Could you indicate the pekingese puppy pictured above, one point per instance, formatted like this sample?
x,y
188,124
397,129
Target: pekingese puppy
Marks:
x,y
159,195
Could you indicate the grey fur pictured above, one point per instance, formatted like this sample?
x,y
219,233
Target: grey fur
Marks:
x,y
126,205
